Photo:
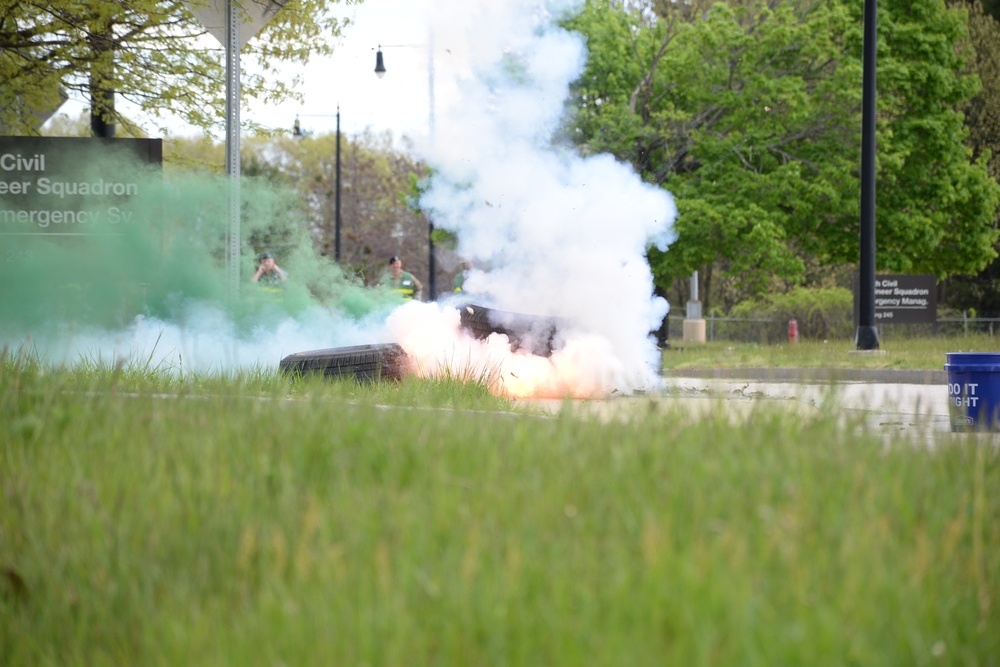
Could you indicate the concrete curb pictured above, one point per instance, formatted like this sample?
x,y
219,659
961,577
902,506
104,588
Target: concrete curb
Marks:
x,y
814,375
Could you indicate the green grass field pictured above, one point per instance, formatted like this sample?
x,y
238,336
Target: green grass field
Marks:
x,y
916,353
252,520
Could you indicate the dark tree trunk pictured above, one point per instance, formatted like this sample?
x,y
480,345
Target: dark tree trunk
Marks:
x,y
102,96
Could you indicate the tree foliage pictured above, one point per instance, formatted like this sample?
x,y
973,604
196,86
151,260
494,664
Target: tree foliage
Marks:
x,y
982,112
377,219
981,291
820,314
749,113
378,185
151,53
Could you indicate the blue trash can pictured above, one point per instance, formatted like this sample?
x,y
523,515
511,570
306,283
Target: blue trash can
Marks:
x,y
973,390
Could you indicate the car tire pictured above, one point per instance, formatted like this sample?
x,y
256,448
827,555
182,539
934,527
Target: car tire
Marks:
x,y
535,334
366,363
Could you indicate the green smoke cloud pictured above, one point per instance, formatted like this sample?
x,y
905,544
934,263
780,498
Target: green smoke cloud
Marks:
x,y
88,253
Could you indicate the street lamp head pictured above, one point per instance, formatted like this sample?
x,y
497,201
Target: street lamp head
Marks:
x,y
379,64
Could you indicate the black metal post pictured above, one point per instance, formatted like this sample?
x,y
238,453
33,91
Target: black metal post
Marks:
x,y
866,337
432,286
337,213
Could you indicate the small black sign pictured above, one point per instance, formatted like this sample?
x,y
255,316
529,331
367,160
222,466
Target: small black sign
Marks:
x,y
903,299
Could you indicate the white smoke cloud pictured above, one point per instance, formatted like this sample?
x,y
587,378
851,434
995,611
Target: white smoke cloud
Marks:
x,y
558,234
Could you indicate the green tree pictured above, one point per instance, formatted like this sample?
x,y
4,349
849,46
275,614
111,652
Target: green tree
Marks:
x,y
749,112
377,219
152,53
740,113
982,117
62,125
935,205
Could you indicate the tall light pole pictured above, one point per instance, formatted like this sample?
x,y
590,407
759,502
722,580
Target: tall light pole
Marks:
x,y
866,337
380,72
336,215
297,131
233,144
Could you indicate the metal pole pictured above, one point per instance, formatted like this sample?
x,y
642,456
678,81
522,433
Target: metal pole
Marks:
x,y
337,212
432,281
233,144
866,337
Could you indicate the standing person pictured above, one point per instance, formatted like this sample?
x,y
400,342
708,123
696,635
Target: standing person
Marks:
x,y
269,274
459,284
402,281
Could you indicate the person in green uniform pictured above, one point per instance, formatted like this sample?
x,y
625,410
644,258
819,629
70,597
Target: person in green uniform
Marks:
x,y
269,275
402,281
459,284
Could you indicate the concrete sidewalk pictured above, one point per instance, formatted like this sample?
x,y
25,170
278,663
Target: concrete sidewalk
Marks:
x,y
817,375
911,392
886,401
894,402
881,400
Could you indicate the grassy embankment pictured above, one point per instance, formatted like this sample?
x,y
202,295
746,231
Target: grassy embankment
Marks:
x,y
249,520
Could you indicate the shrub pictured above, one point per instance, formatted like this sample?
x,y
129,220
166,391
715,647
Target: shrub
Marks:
x,y
822,314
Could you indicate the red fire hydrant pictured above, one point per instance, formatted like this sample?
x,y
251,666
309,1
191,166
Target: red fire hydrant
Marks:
x,y
793,331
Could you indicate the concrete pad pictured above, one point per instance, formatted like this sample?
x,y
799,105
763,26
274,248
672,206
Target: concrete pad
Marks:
x,y
929,400
918,412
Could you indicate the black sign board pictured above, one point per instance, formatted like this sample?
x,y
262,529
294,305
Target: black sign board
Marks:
x,y
902,299
71,186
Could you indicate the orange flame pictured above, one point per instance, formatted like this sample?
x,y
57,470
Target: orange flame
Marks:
x,y
437,346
